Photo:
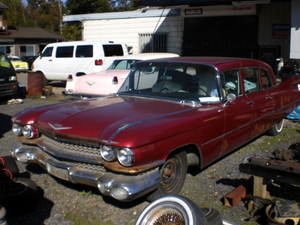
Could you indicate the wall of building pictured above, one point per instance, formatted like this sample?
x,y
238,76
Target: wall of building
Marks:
x,y
274,26
128,30
295,31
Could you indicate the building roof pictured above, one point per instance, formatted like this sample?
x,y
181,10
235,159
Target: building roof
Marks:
x,y
140,13
19,32
2,6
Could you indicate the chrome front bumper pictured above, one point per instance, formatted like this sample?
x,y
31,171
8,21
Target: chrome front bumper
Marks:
x,y
119,186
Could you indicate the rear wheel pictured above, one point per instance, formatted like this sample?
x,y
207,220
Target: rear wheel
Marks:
x,y
172,209
276,129
172,176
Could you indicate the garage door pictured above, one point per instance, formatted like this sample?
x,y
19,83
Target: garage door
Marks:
x,y
234,36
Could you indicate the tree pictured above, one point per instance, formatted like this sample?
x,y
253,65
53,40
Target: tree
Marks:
x,y
15,14
87,6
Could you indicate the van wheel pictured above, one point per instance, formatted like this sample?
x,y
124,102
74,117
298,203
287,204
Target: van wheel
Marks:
x,y
276,129
172,209
172,176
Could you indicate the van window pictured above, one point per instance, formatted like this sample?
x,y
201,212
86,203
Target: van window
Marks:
x,y
64,52
84,51
113,50
48,52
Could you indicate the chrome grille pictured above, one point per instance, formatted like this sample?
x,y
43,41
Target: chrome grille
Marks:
x,y
74,148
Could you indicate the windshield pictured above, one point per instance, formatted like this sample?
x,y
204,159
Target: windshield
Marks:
x,y
184,81
4,63
125,64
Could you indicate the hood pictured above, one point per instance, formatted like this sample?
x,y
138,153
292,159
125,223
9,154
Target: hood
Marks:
x,y
100,83
115,120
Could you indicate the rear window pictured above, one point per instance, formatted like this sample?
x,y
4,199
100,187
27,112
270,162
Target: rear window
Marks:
x,y
84,51
113,50
64,52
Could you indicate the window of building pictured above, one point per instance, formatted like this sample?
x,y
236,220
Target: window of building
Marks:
x,y
8,50
27,50
157,42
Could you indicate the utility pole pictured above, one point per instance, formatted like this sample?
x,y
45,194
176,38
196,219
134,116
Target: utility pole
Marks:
x,y
60,15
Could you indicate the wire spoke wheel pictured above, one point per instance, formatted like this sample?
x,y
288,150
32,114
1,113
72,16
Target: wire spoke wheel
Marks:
x,y
172,210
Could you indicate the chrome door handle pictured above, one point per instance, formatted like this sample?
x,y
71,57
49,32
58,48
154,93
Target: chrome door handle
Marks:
x,y
250,103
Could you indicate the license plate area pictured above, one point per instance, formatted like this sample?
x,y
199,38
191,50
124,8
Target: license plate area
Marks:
x,y
59,172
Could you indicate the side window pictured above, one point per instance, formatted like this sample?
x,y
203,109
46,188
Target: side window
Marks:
x,y
266,81
84,51
113,50
48,52
251,80
64,52
230,81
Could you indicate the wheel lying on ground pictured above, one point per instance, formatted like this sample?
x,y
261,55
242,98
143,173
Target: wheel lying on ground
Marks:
x,y
18,196
276,129
213,216
172,209
172,176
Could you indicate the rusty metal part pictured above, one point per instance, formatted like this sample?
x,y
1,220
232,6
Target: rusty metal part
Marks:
x,y
293,152
282,171
235,196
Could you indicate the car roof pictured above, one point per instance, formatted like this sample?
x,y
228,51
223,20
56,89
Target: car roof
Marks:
x,y
219,62
146,56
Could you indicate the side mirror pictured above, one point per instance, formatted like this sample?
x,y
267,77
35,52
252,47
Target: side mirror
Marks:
x,y
229,99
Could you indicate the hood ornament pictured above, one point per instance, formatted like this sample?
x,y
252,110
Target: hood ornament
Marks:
x,y
58,127
90,84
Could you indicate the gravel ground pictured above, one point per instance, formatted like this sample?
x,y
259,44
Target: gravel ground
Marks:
x,y
67,204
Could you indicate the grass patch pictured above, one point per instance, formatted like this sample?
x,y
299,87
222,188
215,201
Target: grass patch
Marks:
x,y
83,221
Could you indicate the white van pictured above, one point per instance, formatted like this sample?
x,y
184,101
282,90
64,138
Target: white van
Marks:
x,y
58,60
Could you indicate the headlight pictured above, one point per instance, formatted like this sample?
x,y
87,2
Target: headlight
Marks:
x,y
30,131
125,157
107,153
12,78
17,129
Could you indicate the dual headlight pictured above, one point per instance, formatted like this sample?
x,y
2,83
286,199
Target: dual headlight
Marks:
x,y
27,131
124,155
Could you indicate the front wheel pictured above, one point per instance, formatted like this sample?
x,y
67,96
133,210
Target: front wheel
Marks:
x,y
172,176
276,129
172,209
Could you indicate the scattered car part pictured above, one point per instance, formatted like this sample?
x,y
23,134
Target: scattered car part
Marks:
x,y
283,212
173,209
